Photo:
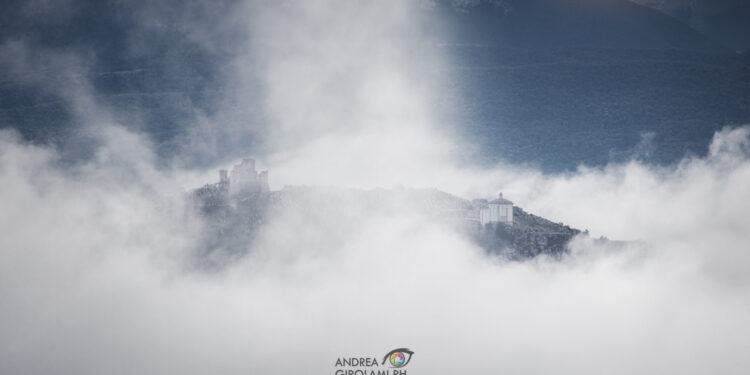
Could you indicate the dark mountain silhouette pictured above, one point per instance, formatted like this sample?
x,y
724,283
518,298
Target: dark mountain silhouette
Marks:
x,y
731,27
725,21
562,82
567,24
548,82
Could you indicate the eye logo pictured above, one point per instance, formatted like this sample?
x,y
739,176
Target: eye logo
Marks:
x,y
398,357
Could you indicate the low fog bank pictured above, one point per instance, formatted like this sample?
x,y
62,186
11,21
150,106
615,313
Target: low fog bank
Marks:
x,y
98,257
96,275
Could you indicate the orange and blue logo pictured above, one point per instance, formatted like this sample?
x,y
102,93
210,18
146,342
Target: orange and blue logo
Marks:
x,y
398,357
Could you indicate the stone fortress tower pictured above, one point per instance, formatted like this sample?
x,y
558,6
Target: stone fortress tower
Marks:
x,y
244,178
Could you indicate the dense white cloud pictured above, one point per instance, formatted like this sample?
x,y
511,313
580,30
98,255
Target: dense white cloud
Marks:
x,y
96,259
96,278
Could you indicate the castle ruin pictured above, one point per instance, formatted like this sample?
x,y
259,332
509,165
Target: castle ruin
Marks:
x,y
244,178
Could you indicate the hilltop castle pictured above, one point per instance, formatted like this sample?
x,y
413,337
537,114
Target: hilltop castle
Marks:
x,y
244,178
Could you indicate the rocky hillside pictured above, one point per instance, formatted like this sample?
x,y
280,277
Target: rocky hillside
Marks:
x,y
233,223
528,237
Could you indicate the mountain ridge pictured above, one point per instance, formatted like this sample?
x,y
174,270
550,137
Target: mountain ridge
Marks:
x,y
234,222
619,24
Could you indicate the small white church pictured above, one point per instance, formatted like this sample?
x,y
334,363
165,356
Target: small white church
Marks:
x,y
499,210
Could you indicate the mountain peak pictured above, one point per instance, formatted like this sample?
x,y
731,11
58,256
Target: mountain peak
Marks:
x,y
566,24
